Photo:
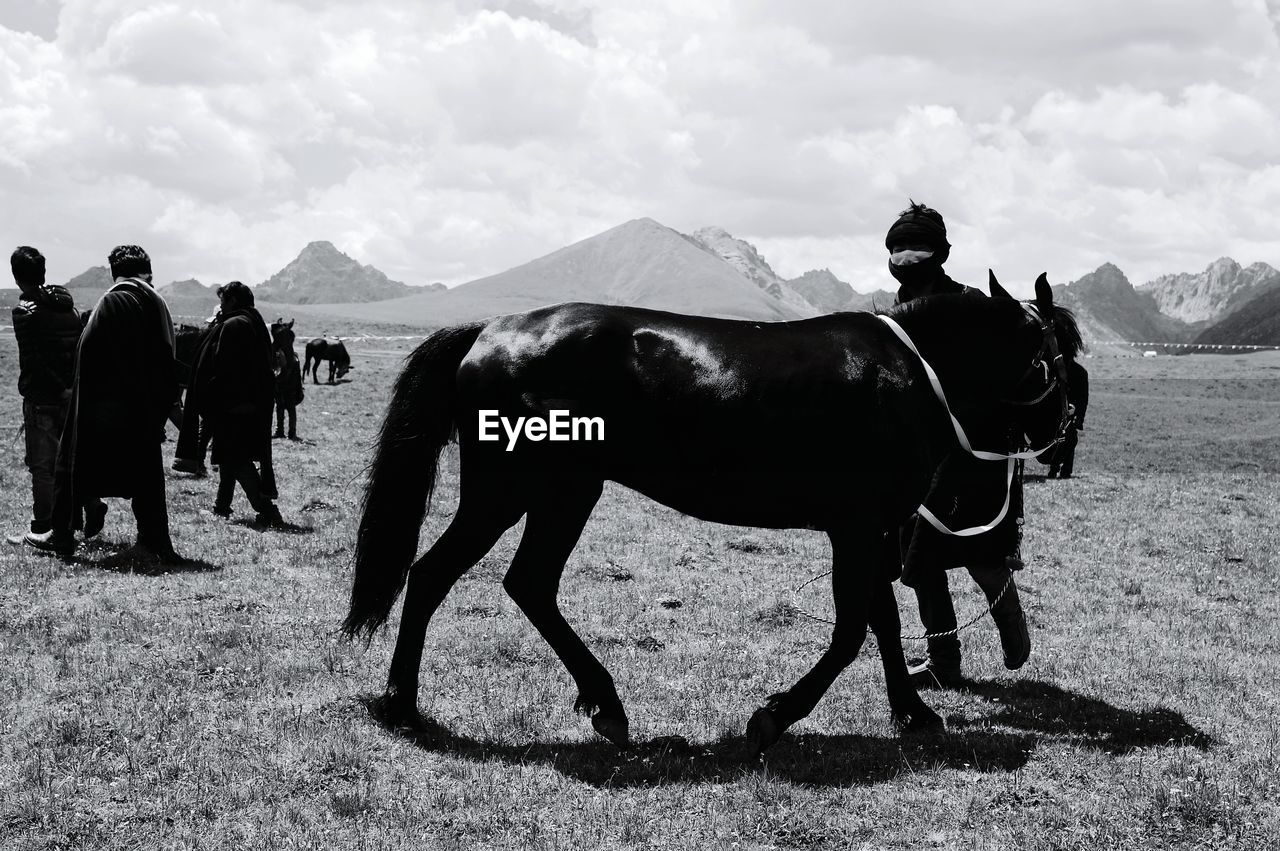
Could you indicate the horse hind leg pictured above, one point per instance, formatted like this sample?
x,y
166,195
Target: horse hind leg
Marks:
x,y
533,581
475,528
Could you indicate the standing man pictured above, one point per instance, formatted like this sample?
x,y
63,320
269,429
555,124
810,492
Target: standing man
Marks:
x,y
918,247
232,391
47,327
125,383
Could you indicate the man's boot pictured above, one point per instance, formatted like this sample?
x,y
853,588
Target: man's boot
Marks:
x,y
941,668
1015,637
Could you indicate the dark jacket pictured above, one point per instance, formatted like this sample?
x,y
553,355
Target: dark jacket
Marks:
x,y
47,327
232,389
289,392
942,285
124,386
965,492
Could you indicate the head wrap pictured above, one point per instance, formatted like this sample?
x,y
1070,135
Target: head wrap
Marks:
x,y
919,225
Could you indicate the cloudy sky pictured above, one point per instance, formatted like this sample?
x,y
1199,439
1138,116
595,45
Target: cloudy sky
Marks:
x,y
444,141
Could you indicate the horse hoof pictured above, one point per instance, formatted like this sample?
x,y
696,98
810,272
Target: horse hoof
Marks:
x,y
395,710
762,731
922,721
616,730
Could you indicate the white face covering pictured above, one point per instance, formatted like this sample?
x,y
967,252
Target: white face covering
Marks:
x,y
909,257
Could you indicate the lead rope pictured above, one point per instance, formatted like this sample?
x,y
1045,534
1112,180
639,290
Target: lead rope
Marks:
x,y
820,619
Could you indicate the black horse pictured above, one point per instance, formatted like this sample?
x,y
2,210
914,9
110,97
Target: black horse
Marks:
x,y
324,349
828,424
289,391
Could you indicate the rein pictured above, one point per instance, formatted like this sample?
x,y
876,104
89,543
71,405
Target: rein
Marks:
x,y
800,610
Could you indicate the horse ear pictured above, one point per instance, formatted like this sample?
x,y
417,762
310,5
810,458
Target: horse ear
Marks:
x,y
997,291
1044,293
290,324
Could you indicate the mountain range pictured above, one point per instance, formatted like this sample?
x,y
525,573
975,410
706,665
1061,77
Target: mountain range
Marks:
x,y
712,273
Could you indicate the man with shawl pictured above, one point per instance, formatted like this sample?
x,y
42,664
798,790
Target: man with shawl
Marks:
x,y
123,386
918,247
233,390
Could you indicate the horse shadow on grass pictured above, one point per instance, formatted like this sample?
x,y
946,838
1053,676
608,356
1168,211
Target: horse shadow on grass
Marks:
x,y
810,759
1036,711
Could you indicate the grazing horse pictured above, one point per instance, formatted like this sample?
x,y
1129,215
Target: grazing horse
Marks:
x,y
322,348
829,424
289,392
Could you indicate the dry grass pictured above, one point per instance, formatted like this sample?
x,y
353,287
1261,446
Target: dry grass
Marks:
x,y
216,708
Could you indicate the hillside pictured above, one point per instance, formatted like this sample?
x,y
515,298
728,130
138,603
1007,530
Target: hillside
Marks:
x,y
742,255
829,294
190,288
323,274
1255,323
1204,297
1108,307
639,263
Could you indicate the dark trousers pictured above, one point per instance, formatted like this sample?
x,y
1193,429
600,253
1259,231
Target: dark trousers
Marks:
x,y
293,419
250,482
938,613
42,425
1064,459
150,510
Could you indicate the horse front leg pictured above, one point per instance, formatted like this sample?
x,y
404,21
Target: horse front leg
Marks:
x,y
851,591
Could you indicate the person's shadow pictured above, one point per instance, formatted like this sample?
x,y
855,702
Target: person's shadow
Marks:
x,y
1041,707
128,558
1036,710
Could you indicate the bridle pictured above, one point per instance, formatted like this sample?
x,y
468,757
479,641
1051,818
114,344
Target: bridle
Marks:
x,y
1048,355
1049,362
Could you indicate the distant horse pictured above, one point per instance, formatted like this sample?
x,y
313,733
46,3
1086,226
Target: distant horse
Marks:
x,y
829,424
322,349
289,392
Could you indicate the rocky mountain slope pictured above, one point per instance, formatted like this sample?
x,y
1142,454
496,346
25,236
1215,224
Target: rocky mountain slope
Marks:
x,y
323,274
1208,296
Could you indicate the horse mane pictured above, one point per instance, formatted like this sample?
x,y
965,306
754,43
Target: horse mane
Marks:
x,y
1067,330
949,308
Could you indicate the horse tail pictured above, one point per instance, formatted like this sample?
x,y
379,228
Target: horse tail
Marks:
x,y
420,421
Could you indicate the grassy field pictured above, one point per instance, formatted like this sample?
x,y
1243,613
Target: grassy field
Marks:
x,y
217,708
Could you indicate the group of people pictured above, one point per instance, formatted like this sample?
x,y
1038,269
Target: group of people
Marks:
x,y
98,388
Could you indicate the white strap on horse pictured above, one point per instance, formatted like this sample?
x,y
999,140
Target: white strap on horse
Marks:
x,y
1010,459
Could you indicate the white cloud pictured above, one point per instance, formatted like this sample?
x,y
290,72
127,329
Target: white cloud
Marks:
x,y
446,141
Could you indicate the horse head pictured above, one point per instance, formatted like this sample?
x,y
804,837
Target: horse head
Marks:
x,y
1041,395
282,333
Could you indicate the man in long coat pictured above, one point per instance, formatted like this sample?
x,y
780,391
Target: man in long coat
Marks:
x,y
124,385
232,391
